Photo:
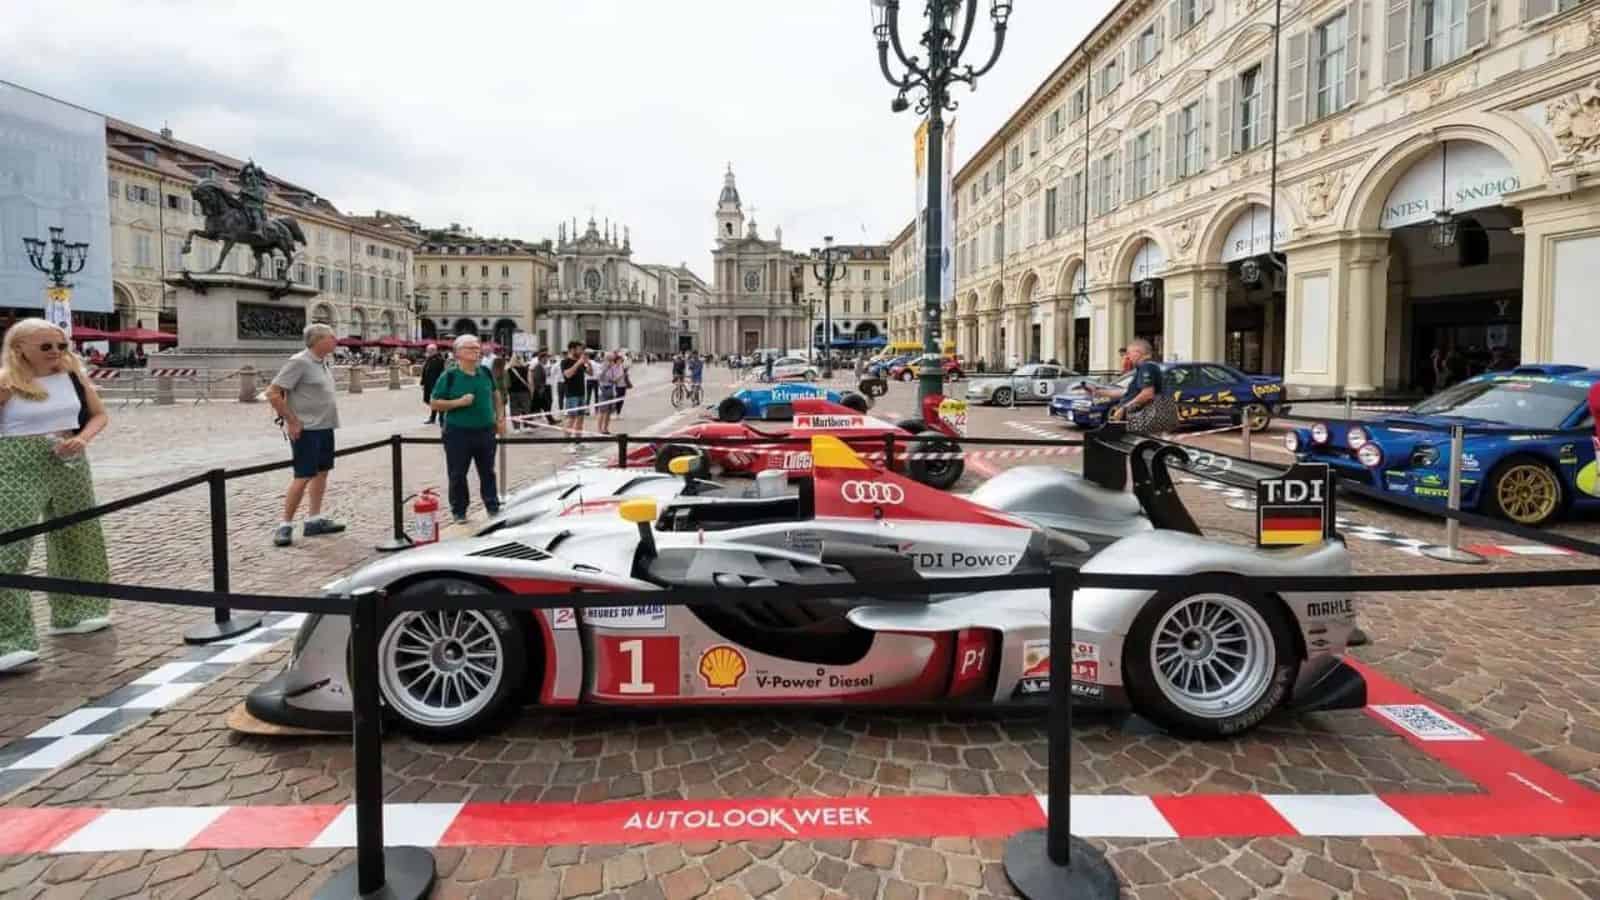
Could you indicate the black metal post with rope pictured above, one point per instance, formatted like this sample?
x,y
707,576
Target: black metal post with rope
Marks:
x,y
827,265
949,30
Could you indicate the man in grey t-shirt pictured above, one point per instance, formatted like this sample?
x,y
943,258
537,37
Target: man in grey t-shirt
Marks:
x,y
303,394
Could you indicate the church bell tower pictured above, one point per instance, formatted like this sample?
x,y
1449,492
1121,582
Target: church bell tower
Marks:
x,y
730,217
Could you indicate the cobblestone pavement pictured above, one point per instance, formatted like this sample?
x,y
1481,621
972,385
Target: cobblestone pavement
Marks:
x,y
1518,665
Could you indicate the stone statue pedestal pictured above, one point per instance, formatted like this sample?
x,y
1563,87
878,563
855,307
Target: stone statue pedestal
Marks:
x,y
226,322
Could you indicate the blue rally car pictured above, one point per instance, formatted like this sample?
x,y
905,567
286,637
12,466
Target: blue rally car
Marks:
x,y
1505,471
1207,394
776,402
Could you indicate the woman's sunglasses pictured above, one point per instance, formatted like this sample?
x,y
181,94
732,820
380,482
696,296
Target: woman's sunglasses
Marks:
x,y
48,347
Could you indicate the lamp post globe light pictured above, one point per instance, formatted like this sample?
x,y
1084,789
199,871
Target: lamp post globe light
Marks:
x,y
63,259
949,29
828,266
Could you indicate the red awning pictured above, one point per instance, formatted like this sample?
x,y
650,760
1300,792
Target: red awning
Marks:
x,y
142,336
85,333
351,342
392,342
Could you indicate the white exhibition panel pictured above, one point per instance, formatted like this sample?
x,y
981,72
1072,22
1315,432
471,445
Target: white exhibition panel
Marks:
x,y
1572,299
1457,176
1179,337
1313,328
1247,236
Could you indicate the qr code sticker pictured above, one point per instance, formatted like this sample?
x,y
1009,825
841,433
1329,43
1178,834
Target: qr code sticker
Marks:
x,y
1425,724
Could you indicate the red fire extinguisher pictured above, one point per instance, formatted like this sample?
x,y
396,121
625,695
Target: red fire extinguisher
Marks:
x,y
425,518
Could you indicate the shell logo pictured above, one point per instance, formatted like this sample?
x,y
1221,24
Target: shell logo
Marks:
x,y
722,666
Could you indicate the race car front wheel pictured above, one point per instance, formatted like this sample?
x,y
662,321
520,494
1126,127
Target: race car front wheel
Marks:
x,y
1525,491
1258,416
731,409
935,461
451,673
1209,665
855,401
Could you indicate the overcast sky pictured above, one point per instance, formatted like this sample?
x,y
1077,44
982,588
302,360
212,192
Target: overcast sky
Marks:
x,y
514,116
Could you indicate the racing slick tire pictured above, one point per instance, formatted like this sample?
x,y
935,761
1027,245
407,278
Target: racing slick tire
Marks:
x,y
1177,677
1524,490
855,401
935,473
1000,397
450,674
670,452
731,409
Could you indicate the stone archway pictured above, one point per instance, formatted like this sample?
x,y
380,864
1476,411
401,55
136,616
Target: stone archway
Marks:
x,y
1236,309
1072,319
1139,310
1025,326
358,323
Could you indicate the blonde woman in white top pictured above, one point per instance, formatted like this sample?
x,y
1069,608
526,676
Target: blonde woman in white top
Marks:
x,y
49,412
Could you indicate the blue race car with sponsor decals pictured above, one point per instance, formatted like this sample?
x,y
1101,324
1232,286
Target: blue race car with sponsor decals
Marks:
x,y
1207,394
776,402
1528,448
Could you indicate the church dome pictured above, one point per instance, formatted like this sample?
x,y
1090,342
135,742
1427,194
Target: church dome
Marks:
x,y
730,193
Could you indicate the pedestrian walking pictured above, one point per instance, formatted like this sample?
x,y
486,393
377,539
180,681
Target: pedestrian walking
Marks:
x,y
610,377
474,414
593,383
304,396
553,379
574,382
432,368
49,412
624,383
1146,405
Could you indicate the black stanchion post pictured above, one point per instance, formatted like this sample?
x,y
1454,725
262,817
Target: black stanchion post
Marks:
x,y
393,873
888,451
397,488
223,624
622,451
1050,862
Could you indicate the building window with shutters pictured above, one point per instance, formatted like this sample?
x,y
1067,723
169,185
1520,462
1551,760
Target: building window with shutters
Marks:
x,y
466,300
1442,30
1049,213
322,279
338,281
1033,223
1078,104
386,288
505,301
1147,47
1106,184
1110,77
1144,164
372,286
1249,108
1016,157
997,244
444,270
1329,46
1054,124
505,271
1185,13
483,299
1190,140
1422,35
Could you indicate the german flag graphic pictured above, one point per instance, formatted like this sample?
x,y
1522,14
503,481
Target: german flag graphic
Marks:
x,y
1290,525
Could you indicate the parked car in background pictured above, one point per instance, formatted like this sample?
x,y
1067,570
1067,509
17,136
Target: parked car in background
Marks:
x,y
1208,394
1033,383
1529,445
794,368
881,368
911,371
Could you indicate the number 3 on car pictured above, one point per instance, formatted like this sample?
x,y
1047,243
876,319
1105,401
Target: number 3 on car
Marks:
x,y
636,667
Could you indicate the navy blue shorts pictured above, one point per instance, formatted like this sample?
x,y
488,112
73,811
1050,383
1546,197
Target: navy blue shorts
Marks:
x,y
313,452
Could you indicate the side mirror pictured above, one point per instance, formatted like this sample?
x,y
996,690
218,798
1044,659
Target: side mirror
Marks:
x,y
640,511
680,466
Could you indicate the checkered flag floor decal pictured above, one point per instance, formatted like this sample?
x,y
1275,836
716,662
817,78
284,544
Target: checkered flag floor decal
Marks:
x,y
87,727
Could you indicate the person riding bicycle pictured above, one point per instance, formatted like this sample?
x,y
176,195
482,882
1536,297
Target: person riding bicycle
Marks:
x,y
677,369
697,371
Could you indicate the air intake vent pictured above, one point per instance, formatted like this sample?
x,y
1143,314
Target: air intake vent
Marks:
x,y
513,550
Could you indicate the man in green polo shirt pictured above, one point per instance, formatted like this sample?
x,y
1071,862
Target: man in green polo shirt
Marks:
x,y
474,412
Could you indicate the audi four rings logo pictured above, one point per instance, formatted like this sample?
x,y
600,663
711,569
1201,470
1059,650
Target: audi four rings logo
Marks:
x,y
873,492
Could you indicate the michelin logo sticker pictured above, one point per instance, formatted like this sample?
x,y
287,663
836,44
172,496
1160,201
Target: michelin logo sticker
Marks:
x,y
627,617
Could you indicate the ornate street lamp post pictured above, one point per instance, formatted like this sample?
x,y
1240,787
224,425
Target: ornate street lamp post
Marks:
x,y
828,266
949,28
64,259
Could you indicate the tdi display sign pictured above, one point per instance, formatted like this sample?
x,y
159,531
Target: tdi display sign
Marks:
x,y
1295,508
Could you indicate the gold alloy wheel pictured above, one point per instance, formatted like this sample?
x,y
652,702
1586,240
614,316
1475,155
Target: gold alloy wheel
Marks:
x,y
1527,493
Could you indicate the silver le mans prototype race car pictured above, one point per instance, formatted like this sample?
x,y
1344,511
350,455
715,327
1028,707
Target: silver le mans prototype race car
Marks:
x,y
1202,664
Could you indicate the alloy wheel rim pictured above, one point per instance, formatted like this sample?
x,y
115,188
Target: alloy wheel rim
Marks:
x,y
1209,655
1258,416
1527,493
441,667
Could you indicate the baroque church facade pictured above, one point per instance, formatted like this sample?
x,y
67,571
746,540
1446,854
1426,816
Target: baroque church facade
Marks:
x,y
755,301
600,296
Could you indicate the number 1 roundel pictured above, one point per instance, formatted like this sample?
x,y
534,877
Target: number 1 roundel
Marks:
x,y
637,667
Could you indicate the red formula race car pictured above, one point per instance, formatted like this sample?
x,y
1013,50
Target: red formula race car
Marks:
x,y
925,448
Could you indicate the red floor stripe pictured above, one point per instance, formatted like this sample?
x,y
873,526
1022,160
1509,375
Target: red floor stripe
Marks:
x,y
821,818
1223,815
1488,550
1494,765
250,827
38,830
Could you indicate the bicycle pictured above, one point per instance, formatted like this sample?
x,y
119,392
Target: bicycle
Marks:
x,y
689,394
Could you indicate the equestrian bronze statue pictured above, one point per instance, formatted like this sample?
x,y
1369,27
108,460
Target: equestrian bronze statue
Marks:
x,y
241,219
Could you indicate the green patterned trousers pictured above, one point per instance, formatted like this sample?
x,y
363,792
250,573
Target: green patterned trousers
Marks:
x,y
36,485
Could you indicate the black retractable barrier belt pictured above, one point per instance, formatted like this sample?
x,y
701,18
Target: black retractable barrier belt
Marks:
x,y
177,596
103,509
264,468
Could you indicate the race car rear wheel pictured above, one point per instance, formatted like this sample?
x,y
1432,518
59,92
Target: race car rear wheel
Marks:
x,y
811,374
935,473
451,673
855,401
907,377
1257,415
1001,397
731,409
1525,491
1209,665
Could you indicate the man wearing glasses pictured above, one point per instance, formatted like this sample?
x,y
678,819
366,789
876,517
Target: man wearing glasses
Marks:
x,y
474,413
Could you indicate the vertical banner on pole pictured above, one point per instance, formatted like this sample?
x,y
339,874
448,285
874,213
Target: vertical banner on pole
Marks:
x,y
58,308
947,269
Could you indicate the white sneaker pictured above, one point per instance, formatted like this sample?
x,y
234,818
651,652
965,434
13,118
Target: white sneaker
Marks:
x,y
572,448
87,626
17,659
